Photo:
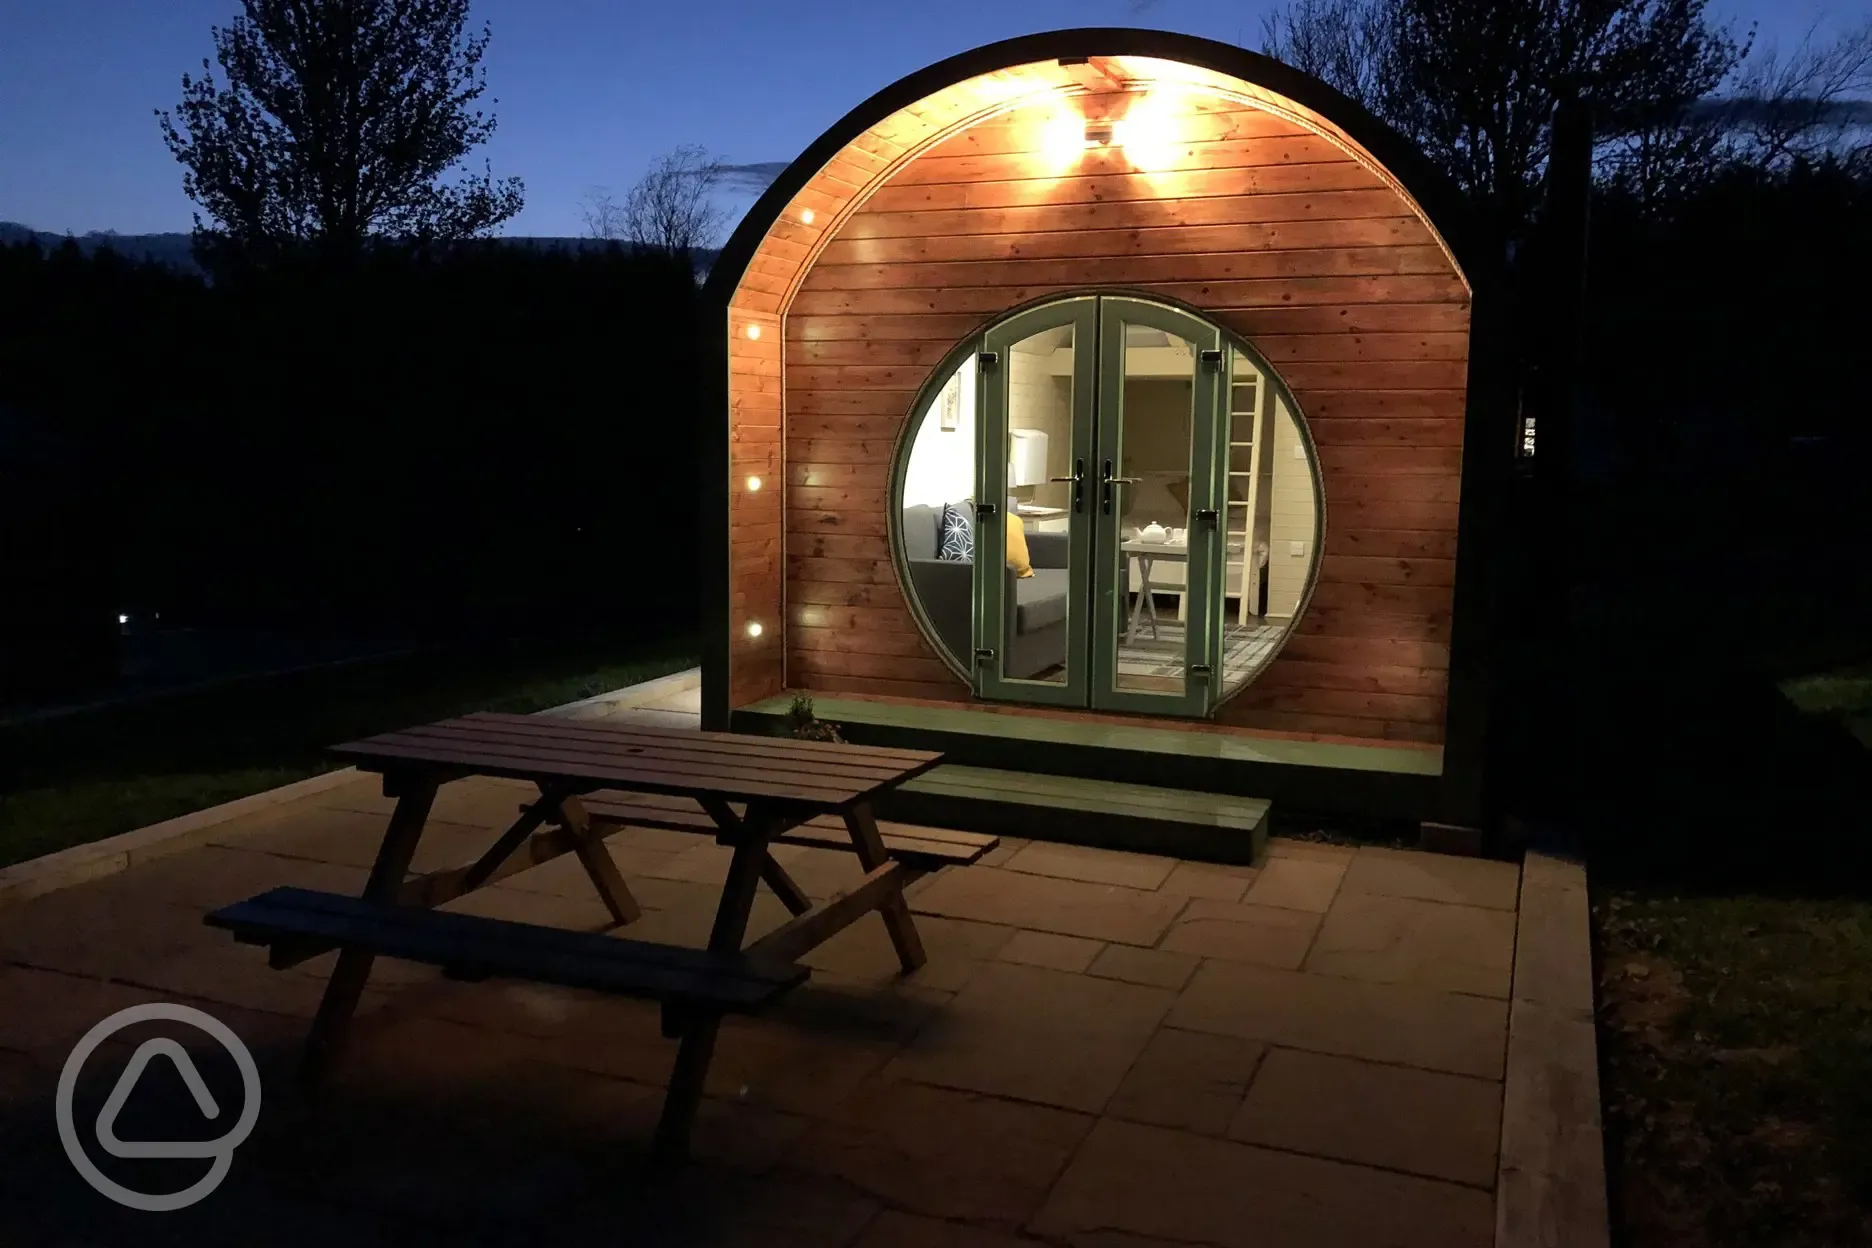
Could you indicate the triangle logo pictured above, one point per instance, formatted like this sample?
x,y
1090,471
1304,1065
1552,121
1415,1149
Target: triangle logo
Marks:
x,y
178,1056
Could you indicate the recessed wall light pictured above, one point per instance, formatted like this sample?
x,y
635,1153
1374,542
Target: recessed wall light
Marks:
x,y
753,485
753,331
754,628
806,216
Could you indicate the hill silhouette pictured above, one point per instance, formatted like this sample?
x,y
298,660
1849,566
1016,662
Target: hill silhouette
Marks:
x,y
176,250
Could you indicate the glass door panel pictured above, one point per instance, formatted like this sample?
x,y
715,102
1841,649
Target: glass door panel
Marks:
x,y
1158,524
1032,533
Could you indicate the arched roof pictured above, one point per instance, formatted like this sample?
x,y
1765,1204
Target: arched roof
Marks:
x,y
774,245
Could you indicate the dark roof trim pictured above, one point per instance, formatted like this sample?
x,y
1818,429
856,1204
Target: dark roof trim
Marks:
x,y
1439,199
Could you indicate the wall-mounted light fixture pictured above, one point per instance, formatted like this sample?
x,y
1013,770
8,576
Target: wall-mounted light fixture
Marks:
x,y
806,216
753,485
754,628
753,331
1099,133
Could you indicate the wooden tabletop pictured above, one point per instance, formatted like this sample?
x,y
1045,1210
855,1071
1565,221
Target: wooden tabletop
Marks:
x,y
590,754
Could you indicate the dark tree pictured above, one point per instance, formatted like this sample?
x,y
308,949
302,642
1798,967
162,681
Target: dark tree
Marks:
x,y
1474,82
339,121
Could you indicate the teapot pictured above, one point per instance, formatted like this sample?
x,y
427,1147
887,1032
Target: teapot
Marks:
x,y
1153,533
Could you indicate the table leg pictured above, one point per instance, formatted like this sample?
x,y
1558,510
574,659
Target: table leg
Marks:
x,y
894,909
1150,599
348,977
1131,624
596,859
698,1043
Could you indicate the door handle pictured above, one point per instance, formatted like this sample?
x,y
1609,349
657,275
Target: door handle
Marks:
x,y
1078,483
1107,481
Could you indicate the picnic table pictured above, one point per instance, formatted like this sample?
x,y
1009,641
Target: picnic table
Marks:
x,y
595,779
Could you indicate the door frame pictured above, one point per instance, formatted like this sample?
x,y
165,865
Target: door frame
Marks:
x,y
1201,638
991,463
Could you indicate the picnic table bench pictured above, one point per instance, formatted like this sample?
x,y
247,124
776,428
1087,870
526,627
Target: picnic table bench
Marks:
x,y
595,779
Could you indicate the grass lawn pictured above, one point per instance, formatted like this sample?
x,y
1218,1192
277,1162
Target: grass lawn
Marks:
x,y
1736,1055
1846,693
91,775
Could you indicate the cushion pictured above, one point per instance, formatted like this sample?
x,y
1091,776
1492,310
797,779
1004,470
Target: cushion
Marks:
x,y
956,538
1041,600
921,524
1017,547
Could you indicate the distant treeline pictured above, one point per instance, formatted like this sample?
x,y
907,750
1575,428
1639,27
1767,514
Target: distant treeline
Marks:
x,y
489,438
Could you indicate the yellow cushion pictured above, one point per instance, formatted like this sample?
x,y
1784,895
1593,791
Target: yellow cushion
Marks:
x,y
1017,547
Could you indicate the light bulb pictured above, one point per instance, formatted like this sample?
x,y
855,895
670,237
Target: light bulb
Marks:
x,y
753,485
754,628
753,331
805,216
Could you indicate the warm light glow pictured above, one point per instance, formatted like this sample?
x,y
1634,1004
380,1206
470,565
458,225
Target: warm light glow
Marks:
x,y
805,216
753,485
1147,131
753,331
1063,140
754,628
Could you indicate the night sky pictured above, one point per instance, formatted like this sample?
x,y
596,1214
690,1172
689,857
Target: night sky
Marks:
x,y
589,90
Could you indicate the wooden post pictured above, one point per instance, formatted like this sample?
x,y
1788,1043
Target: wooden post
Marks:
x,y
415,798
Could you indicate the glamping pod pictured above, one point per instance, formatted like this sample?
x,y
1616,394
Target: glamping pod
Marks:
x,y
1093,406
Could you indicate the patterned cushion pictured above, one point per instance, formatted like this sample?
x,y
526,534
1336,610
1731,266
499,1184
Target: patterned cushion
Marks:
x,y
955,537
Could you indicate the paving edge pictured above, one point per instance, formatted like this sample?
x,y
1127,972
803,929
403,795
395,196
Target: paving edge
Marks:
x,y
1550,1189
81,863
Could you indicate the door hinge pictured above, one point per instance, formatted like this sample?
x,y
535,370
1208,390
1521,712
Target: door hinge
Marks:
x,y
984,656
1208,516
1201,669
985,510
1212,358
988,359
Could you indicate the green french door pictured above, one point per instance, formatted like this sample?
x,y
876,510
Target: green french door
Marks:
x,y
1102,430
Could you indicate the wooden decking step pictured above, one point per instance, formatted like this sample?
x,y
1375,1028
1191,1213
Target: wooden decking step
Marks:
x,y
1213,826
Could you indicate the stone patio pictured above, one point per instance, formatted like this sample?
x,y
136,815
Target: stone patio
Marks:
x,y
1106,1050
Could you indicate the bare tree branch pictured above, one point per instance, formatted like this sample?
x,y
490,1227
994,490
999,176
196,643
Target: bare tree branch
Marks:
x,y
672,207
604,216
1793,107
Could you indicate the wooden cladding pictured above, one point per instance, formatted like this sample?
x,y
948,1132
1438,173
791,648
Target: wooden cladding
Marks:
x,y
1274,226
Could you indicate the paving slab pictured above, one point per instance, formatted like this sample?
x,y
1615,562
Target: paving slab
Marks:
x,y
1313,851
1244,932
1398,1023
1437,1125
1037,1035
862,956
1189,1081
352,837
944,1153
1191,1189
103,933
1434,877
1159,968
1216,881
892,1229
1297,883
1400,940
1094,866
1040,903
1059,953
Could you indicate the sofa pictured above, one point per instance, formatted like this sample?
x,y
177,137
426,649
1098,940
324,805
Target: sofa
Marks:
x,y
1034,640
